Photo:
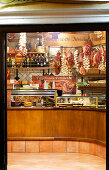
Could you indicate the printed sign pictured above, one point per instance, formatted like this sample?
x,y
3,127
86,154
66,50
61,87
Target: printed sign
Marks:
x,y
64,83
73,40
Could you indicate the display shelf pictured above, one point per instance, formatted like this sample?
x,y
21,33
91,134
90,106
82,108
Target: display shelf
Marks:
x,y
35,52
13,40
30,68
13,53
91,88
27,52
92,75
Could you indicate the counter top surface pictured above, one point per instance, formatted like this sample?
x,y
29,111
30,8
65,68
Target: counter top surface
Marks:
x,y
56,108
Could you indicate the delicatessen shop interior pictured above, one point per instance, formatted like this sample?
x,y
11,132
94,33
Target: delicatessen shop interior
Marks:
x,y
56,69
56,92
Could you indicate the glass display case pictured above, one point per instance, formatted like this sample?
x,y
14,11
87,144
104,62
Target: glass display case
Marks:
x,y
32,98
81,101
51,98
102,102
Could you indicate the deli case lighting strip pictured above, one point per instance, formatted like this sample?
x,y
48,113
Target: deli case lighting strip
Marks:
x,y
31,95
79,96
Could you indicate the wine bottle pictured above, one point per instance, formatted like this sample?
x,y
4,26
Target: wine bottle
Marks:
x,y
10,61
42,62
29,60
38,60
45,61
13,62
25,61
33,60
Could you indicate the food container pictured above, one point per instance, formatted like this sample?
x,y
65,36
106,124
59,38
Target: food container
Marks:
x,y
99,83
25,82
16,104
93,71
39,104
102,71
28,104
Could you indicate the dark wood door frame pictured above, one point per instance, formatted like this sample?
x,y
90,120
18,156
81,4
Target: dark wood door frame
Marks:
x,y
3,80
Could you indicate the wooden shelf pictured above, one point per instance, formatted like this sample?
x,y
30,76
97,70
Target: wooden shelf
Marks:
x,y
27,53
92,75
13,40
11,53
91,88
35,52
30,68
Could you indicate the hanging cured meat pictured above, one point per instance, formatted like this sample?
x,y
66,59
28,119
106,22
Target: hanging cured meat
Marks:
x,y
102,61
70,60
82,70
104,54
88,47
92,58
87,52
80,57
57,63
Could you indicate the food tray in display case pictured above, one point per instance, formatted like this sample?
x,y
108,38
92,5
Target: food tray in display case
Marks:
x,y
33,98
81,101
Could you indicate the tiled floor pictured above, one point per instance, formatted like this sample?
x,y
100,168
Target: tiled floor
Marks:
x,y
54,161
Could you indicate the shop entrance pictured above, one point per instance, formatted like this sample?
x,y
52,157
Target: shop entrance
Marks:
x,y
72,64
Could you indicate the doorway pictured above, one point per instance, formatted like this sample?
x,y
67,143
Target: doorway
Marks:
x,y
3,64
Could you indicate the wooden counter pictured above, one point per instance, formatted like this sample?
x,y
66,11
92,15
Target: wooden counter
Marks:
x,y
57,108
82,124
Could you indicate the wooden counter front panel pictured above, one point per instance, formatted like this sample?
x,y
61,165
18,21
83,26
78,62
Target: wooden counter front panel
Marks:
x,y
101,128
24,123
75,124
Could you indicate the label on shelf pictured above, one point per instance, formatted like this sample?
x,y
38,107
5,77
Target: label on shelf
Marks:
x,y
11,81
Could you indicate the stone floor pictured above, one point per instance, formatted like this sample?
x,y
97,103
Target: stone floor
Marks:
x,y
55,161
